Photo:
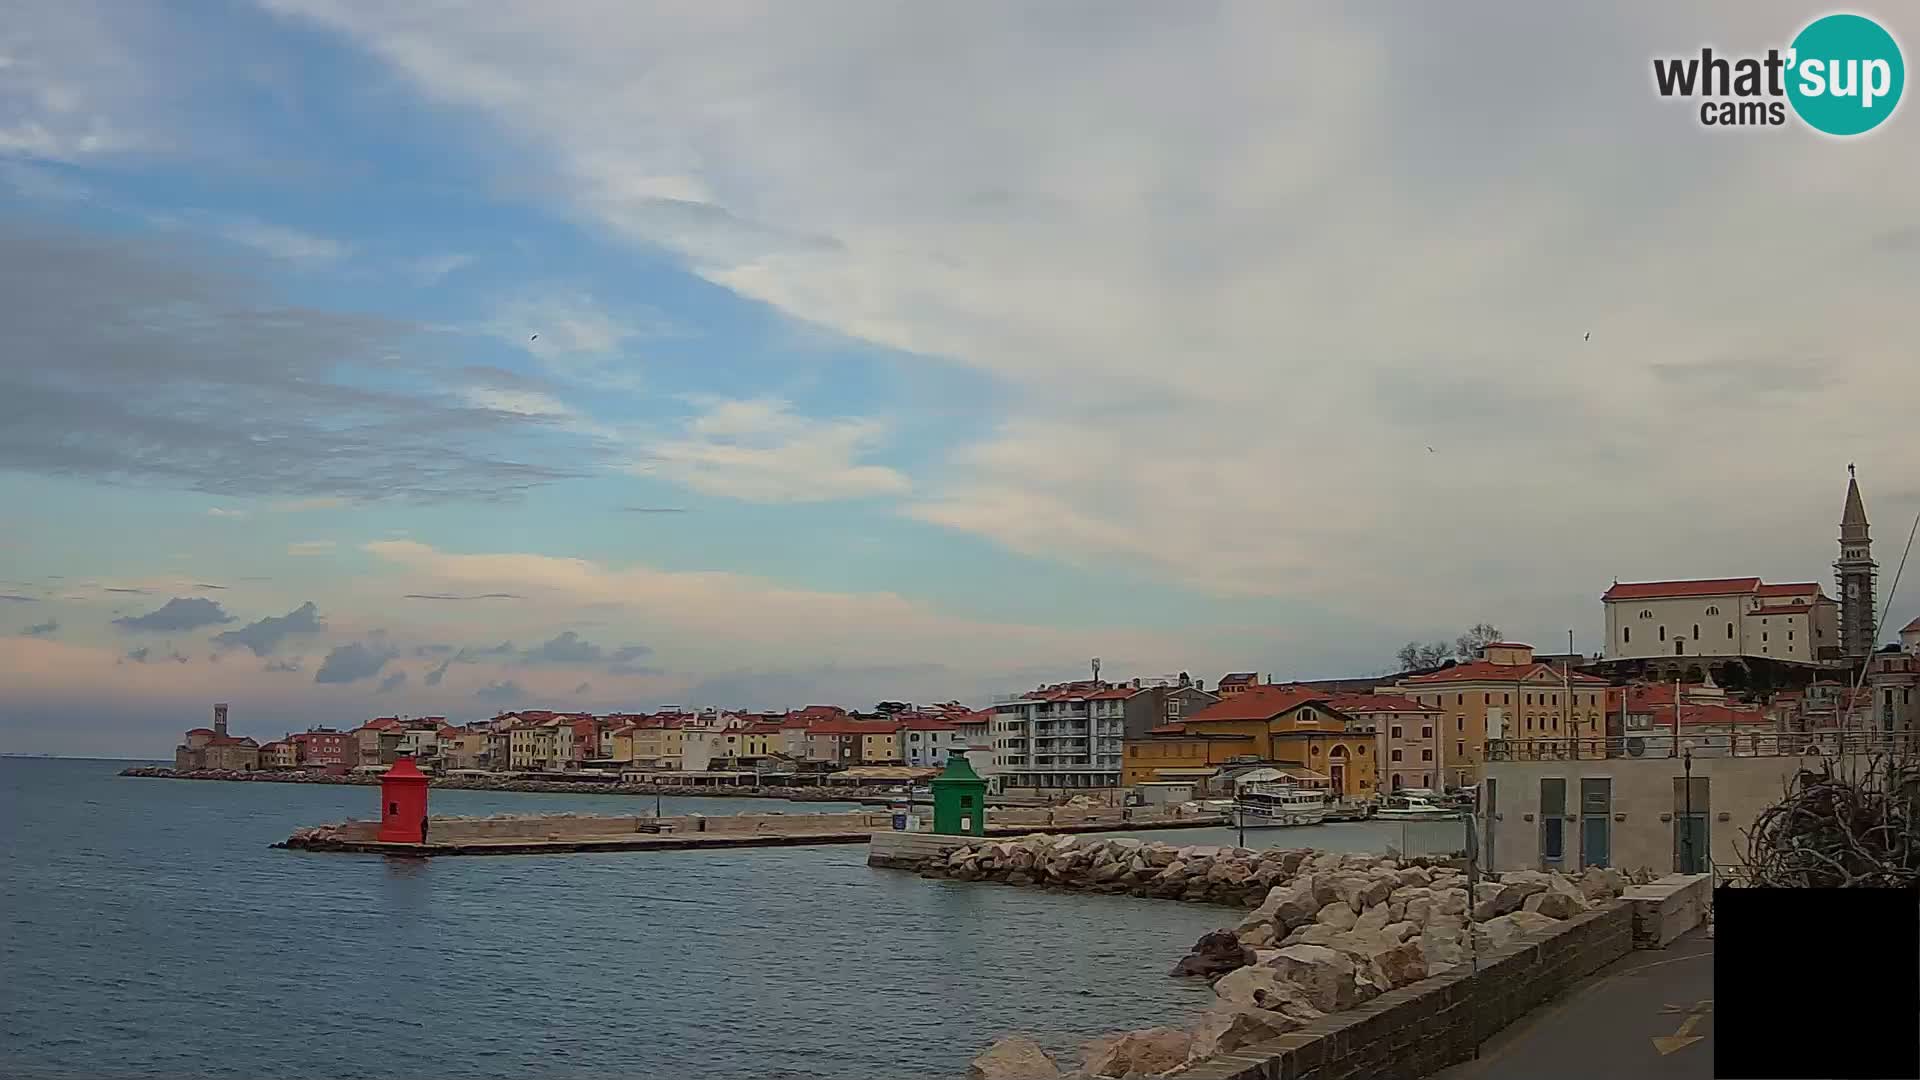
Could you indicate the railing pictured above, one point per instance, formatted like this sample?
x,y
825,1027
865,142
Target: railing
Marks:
x,y
1704,744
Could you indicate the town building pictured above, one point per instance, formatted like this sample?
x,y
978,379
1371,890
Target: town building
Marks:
x,y
1407,736
926,742
1721,618
1910,637
1289,728
1064,736
847,743
1236,682
1505,695
322,748
1682,807
1893,687
1854,572
215,748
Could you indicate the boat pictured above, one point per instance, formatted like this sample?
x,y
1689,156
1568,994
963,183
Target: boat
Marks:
x,y
1405,807
1266,805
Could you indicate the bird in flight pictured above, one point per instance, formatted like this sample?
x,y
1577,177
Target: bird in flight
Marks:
x,y
535,337
1588,337
1429,449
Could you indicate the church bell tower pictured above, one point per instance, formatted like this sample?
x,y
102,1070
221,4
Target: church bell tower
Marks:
x,y
1854,572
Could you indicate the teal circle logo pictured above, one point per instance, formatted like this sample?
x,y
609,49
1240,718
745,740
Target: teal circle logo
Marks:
x,y
1845,75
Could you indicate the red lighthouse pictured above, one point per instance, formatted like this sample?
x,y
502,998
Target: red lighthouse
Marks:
x,y
403,804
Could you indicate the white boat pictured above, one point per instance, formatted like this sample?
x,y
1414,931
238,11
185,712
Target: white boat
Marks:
x,y
1405,807
1262,805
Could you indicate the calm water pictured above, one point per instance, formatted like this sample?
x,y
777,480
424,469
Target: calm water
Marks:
x,y
151,932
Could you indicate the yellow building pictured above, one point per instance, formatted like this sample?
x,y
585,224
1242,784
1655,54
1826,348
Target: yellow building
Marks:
x,y
1507,695
1284,726
880,747
657,746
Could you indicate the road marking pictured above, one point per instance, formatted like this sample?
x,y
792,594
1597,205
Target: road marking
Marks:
x,y
1703,1006
1680,1040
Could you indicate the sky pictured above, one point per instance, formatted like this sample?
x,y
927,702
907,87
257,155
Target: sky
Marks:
x,y
369,358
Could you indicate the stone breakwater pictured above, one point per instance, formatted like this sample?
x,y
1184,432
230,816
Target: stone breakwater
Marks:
x,y
504,783
1328,932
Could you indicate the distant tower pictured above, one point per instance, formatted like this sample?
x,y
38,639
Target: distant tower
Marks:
x,y
1855,571
220,718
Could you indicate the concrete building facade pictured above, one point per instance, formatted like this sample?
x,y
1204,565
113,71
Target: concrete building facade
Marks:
x,y
1505,695
1061,737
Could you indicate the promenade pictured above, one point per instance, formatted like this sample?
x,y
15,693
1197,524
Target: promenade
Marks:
x,y
1648,1015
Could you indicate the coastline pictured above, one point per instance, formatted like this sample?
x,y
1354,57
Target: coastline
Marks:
x,y
547,787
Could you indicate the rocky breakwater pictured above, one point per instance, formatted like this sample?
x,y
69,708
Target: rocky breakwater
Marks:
x,y
1237,877
1331,931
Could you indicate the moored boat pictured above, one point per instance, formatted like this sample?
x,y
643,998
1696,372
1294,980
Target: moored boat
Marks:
x,y
1266,805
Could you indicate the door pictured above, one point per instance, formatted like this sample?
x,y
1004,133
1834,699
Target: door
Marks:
x,y
1596,820
1553,822
1690,844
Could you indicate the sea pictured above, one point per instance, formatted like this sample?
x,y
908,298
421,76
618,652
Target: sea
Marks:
x,y
150,931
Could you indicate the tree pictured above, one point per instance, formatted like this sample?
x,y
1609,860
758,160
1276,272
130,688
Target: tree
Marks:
x,y
1415,655
1477,637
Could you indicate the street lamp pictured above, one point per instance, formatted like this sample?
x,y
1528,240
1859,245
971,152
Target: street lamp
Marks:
x,y
1686,822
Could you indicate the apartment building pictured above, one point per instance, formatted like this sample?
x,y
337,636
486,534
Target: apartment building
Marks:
x,y
1505,695
1064,736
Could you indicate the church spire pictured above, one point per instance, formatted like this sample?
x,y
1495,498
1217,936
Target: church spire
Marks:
x,y
1855,572
1853,520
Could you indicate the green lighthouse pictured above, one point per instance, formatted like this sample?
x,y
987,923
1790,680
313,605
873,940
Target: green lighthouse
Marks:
x,y
959,799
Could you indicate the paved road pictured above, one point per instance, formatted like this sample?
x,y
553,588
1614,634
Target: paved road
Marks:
x,y
1648,1016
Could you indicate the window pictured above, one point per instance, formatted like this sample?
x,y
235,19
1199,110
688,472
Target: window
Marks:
x,y
1729,631
1696,631
1506,699
1460,699
1489,699
1646,614
1763,635
1663,633
1395,732
1626,634
1363,749
1713,610
1789,635
1133,751
1529,723
1529,699
1426,755
1459,751
1426,732
1459,723
1395,756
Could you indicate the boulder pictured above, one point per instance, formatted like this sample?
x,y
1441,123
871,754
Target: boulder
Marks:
x,y
1257,935
1493,900
1418,907
1402,963
1362,891
1222,1030
1019,877
1325,975
1013,1057
1338,915
1230,872
1496,932
1263,987
1413,876
1216,953
1554,905
1450,902
1440,950
1159,855
1371,921
1602,882
1140,1053
1293,903
1400,931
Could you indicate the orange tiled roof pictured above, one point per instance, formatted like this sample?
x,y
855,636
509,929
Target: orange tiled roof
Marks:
x,y
1363,703
1660,590
855,727
1259,703
1797,588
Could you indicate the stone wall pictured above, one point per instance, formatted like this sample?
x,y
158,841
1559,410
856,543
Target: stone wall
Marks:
x,y
455,830
1667,908
1419,1029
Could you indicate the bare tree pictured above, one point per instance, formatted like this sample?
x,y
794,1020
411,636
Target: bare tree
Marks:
x,y
1415,655
1849,823
1477,637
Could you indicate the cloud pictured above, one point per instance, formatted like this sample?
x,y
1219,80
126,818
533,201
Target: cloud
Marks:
x,y
353,662
583,688
205,585
282,242
311,547
262,636
318,502
1189,307
45,629
464,656
392,682
429,269
135,592
290,664
501,693
565,648
654,509
630,652
179,613
133,363
18,599
139,655
222,512
432,650
475,596
760,451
